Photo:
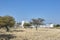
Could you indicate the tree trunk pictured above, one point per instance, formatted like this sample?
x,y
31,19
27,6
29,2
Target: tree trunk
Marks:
x,y
7,29
36,27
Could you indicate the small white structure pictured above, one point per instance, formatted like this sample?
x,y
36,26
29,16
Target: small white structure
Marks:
x,y
47,25
22,24
51,25
44,26
33,26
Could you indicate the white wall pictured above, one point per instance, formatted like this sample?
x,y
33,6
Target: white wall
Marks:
x,y
48,25
44,26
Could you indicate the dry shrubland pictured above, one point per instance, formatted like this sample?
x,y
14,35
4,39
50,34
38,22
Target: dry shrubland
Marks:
x,y
33,34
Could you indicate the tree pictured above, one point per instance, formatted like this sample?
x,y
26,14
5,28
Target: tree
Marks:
x,y
7,21
38,21
57,25
27,25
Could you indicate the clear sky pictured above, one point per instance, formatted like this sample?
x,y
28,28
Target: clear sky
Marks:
x,y
28,9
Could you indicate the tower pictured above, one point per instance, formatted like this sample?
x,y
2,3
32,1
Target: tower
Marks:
x,y
22,24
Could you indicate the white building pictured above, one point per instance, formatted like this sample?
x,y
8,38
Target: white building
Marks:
x,y
47,25
22,23
42,26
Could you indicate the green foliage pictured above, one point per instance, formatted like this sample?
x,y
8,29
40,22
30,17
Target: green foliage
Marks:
x,y
7,21
27,25
58,25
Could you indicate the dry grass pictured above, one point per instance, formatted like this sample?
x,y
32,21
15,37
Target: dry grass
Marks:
x,y
32,34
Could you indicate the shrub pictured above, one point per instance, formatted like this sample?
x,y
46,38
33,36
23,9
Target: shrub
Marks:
x,y
27,25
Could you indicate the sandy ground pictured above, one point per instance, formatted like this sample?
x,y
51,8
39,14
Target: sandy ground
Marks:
x,y
33,34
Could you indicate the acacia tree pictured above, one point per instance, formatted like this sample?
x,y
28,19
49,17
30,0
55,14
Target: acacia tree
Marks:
x,y
7,21
38,21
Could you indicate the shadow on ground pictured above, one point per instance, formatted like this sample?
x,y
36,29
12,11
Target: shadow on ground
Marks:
x,y
17,31
6,36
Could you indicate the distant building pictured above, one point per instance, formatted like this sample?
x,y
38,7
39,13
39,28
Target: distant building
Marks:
x,y
33,26
44,26
22,23
47,25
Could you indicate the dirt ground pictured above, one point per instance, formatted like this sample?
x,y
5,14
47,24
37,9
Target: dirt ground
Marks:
x,y
32,34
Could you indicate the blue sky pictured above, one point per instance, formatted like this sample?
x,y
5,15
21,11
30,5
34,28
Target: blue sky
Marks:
x,y
28,9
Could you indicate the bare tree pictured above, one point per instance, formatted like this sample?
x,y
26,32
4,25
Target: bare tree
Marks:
x,y
37,22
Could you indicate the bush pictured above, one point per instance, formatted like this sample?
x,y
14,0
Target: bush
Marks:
x,y
27,25
58,25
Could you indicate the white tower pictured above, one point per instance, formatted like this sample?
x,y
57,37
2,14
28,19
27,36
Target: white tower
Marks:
x,y
22,24
51,25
